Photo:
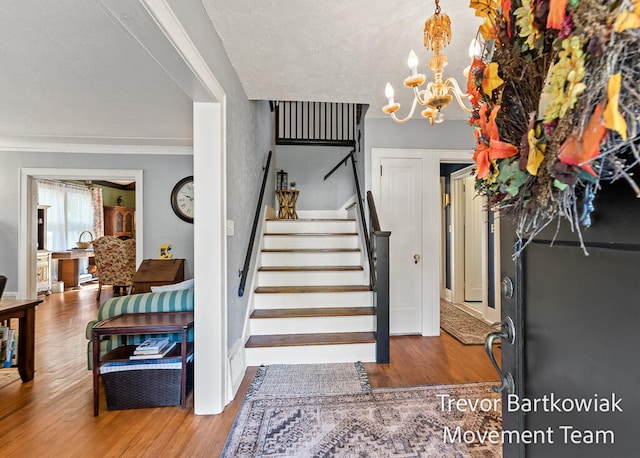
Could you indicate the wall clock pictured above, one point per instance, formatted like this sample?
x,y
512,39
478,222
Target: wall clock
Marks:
x,y
182,199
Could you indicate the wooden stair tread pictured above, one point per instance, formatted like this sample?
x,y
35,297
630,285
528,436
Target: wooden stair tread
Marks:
x,y
312,312
310,268
311,250
289,340
311,289
310,234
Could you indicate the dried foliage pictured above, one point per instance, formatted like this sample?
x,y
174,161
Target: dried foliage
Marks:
x,y
570,103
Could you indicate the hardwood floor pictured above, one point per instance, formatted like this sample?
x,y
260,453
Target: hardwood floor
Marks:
x,y
52,415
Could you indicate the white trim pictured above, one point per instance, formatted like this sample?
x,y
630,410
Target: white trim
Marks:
x,y
236,367
431,221
95,145
210,244
267,213
457,253
27,239
167,21
210,253
457,234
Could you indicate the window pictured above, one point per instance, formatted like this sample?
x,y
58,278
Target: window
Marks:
x,y
70,213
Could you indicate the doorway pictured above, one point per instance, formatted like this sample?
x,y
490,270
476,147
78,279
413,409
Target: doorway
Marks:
x,y
474,262
429,261
28,215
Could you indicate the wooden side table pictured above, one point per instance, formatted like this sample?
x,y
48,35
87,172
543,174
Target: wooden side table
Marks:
x,y
142,323
287,203
158,272
25,312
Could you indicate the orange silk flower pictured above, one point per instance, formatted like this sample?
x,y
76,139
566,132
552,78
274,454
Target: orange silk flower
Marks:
x,y
579,150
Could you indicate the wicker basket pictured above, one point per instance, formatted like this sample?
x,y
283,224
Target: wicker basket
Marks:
x,y
84,245
144,388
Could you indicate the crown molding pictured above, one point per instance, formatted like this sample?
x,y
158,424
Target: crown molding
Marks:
x,y
96,145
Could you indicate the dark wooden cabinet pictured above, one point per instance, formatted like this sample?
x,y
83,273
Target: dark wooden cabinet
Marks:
x,y
158,272
119,221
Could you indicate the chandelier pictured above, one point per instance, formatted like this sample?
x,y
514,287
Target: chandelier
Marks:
x,y
437,94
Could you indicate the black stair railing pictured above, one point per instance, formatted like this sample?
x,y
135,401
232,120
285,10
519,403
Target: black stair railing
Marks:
x,y
377,247
316,123
247,259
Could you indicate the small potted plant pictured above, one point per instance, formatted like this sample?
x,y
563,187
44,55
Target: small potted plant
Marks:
x,y
293,185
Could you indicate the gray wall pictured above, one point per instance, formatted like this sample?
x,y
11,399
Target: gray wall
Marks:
x,y
250,135
307,166
160,173
415,134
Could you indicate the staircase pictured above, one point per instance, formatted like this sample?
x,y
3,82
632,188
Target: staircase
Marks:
x,y
312,303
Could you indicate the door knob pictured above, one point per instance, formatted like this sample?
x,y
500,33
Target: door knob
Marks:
x,y
416,258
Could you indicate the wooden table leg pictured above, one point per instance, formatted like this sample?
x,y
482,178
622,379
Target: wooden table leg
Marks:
x,y
26,344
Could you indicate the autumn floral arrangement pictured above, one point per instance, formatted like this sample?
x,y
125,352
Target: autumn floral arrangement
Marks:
x,y
556,96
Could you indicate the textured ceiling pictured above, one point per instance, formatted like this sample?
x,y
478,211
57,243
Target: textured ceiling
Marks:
x,y
70,70
336,51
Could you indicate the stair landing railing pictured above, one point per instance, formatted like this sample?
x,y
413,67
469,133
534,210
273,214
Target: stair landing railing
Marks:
x,y
377,247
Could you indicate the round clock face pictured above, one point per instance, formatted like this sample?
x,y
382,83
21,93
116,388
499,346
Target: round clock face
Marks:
x,y
182,199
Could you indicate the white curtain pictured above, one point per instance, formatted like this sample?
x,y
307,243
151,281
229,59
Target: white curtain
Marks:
x,y
70,213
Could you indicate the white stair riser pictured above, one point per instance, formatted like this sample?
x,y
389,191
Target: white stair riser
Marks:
x,y
308,241
311,325
306,227
310,278
298,300
311,354
310,259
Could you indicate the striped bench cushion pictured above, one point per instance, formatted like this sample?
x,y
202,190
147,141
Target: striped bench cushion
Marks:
x,y
165,301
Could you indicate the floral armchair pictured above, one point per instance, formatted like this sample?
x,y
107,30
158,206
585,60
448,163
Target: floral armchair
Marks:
x,y
115,262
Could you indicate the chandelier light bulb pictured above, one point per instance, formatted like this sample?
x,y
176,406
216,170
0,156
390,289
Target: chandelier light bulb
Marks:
x,y
388,92
412,62
475,49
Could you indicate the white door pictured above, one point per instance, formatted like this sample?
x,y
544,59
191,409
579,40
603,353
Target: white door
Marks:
x,y
400,211
473,230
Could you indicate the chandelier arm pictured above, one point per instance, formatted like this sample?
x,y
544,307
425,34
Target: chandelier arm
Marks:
x,y
452,86
409,116
422,95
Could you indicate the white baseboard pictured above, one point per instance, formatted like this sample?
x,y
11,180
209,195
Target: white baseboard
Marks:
x,y
236,368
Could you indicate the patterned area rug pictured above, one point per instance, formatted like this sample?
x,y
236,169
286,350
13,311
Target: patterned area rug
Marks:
x,y
310,379
391,422
8,376
464,327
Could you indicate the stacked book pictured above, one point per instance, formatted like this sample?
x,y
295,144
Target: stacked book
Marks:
x,y
153,348
8,344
